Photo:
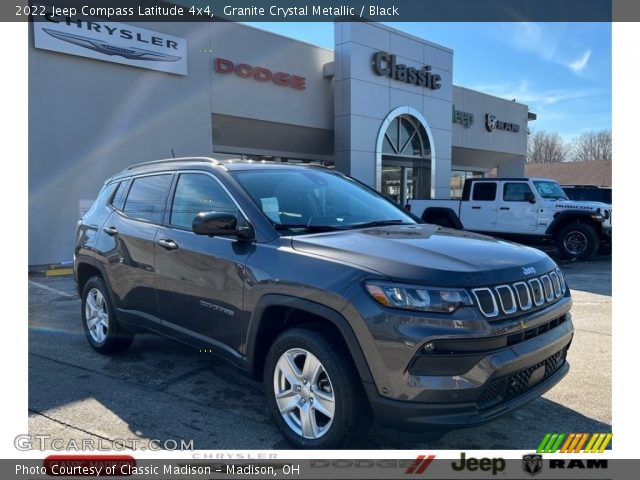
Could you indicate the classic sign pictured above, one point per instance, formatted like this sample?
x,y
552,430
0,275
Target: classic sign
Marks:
x,y
385,65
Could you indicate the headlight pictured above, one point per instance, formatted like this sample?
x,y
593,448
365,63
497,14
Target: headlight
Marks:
x,y
414,297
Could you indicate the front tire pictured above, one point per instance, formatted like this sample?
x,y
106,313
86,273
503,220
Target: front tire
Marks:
x,y
101,327
313,390
577,241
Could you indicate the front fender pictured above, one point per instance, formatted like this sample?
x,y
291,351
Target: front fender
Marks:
x,y
316,309
562,218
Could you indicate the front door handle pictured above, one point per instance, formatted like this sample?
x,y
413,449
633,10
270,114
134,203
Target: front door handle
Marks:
x,y
111,231
505,208
168,244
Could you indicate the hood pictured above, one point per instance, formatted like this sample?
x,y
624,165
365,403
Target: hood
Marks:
x,y
428,254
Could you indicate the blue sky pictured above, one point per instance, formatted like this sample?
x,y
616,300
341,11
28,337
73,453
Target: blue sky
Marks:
x,y
561,70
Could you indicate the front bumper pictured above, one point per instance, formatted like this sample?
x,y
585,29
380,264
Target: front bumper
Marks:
x,y
502,381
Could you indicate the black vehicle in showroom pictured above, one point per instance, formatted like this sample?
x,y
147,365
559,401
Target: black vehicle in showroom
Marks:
x,y
345,305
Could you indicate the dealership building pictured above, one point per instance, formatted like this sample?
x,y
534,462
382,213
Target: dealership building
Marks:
x,y
380,106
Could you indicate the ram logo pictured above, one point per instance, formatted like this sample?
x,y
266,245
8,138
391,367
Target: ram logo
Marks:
x,y
528,270
491,122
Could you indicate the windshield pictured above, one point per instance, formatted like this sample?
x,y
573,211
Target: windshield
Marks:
x,y
548,189
309,199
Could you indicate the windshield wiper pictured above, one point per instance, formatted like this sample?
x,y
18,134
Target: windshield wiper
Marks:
x,y
379,223
315,228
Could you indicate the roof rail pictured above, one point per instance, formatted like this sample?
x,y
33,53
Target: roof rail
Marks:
x,y
170,160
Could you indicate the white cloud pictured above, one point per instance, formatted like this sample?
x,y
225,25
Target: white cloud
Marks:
x,y
549,44
580,63
538,99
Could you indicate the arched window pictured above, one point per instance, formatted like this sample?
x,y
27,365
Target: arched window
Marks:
x,y
406,137
405,159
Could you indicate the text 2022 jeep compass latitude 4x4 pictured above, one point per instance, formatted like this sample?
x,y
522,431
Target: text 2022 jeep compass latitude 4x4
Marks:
x,y
339,300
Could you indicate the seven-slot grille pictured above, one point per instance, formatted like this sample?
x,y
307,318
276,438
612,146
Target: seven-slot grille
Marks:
x,y
518,297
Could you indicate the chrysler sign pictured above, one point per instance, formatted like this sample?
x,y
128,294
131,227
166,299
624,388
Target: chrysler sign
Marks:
x,y
112,42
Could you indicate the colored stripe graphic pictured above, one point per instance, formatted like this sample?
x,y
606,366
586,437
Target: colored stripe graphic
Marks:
x,y
574,442
550,443
420,464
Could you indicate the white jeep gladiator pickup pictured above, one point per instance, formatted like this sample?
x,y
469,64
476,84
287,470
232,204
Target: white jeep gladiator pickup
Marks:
x,y
534,210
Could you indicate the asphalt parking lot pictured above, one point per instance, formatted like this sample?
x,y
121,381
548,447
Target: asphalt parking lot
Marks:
x,y
163,391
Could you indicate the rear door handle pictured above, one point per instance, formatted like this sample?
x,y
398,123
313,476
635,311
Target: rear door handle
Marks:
x,y
476,208
111,231
168,244
505,208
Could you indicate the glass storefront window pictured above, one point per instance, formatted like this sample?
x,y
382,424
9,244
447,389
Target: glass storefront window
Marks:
x,y
457,181
406,160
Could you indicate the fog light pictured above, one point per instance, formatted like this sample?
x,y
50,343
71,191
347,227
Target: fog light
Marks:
x,y
429,347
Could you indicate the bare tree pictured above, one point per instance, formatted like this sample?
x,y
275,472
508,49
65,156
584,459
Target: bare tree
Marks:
x,y
592,146
546,147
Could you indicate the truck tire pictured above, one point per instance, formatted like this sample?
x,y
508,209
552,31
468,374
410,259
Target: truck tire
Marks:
x,y
313,390
99,320
577,241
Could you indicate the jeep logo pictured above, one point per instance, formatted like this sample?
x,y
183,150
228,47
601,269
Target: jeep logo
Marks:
x,y
528,270
493,465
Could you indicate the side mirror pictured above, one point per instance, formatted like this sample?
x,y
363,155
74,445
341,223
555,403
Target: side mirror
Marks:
x,y
220,223
531,198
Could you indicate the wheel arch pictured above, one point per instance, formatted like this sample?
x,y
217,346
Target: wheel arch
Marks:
x,y
433,213
276,313
572,216
85,269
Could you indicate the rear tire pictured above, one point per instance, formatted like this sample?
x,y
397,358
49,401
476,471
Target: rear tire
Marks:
x,y
577,241
321,401
99,320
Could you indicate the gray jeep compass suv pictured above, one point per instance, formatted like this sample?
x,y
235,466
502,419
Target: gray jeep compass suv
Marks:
x,y
345,305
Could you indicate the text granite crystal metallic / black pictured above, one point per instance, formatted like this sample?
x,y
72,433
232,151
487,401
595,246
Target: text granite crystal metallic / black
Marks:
x,y
344,304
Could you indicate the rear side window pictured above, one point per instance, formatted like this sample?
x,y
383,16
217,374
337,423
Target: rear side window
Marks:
x,y
197,193
146,198
484,191
103,199
118,198
516,192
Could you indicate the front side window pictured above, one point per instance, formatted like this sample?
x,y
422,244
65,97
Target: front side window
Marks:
x,y
551,190
146,198
516,192
198,193
315,198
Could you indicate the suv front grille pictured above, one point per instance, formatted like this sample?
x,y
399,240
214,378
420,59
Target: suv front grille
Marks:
x,y
519,297
505,388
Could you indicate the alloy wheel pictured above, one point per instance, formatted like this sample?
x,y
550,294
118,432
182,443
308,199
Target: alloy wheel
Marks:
x,y
304,393
575,242
96,315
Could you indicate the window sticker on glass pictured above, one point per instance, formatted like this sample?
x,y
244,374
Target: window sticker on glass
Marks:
x,y
271,208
